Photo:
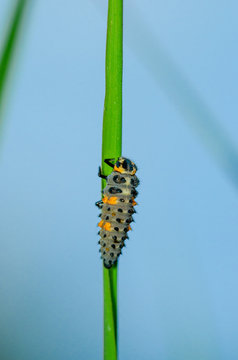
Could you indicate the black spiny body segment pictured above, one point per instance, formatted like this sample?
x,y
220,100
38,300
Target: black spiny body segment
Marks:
x,y
117,208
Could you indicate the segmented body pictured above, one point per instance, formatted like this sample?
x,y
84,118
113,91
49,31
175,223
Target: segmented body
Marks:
x,y
117,208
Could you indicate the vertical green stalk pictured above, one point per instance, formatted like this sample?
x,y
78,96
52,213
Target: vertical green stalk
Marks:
x,y
9,47
111,148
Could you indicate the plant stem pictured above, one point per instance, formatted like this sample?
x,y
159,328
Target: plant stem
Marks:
x,y
111,148
9,46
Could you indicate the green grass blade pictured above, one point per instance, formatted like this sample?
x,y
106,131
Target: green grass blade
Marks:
x,y
111,148
191,104
110,313
9,47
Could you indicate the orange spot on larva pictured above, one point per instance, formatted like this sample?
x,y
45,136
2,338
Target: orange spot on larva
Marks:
x,y
134,203
107,249
129,227
112,200
120,170
107,226
100,223
105,199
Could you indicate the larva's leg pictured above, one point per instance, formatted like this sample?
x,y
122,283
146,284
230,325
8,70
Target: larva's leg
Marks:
x,y
99,204
100,173
108,162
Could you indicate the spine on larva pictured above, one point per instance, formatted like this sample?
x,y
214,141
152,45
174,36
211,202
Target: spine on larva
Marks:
x,y
117,208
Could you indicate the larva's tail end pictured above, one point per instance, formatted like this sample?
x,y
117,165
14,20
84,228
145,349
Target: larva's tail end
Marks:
x,y
106,265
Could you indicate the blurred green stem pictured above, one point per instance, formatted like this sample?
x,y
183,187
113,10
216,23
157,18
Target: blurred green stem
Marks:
x,y
9,47
111,148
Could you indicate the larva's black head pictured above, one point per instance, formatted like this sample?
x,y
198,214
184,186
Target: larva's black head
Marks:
x,y
125,166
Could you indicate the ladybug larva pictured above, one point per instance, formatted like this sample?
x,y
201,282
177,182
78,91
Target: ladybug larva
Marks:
x,y
117,208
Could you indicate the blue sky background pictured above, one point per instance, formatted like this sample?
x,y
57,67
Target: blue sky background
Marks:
x,y
178,274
